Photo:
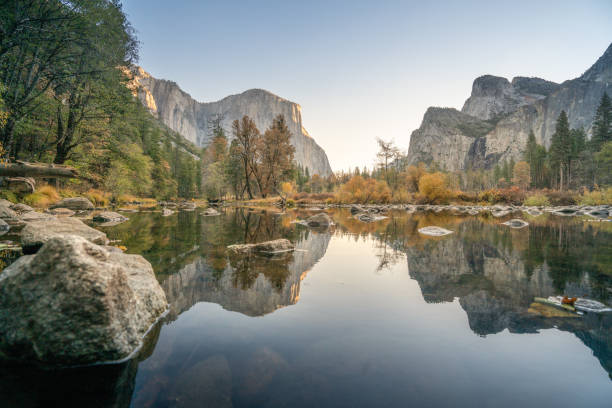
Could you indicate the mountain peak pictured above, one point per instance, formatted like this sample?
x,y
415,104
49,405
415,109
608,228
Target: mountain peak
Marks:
x,y
601,71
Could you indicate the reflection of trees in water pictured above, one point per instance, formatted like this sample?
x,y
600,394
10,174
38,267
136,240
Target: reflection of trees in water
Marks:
x,y
568,248
245,270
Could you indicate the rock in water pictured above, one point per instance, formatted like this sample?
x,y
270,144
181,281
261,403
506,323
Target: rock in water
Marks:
x,y
210,212
369,217
167,212
265,248
61,212
76,303
35,234
109,216
319,220
434,231
75,203
516,223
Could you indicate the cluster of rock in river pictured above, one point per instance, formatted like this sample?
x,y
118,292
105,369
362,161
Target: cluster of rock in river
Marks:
x,y
72,299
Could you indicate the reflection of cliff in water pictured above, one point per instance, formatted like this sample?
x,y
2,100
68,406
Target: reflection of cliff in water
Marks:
x,y
489,269
254,286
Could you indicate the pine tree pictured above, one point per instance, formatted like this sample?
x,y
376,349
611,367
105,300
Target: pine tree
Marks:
x,y
561,149
602,124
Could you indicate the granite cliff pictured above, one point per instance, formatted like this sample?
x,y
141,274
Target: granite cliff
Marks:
x,y
496,119
190,118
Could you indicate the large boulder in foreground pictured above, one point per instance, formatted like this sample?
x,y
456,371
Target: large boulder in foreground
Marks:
x,y
35,234
76,303
74,203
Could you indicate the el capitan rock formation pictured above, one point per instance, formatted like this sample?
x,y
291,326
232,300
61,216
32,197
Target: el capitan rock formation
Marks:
x,y
496,119
190,118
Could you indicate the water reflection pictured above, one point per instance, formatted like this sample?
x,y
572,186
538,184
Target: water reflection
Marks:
x,y
358,334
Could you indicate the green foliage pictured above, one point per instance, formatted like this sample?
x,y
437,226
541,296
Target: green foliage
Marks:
x,y
537,200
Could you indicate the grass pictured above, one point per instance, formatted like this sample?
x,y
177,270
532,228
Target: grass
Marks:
x,y
43,197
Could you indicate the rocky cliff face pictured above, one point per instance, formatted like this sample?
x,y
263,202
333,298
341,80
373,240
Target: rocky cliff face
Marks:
x,y
179,111
510,110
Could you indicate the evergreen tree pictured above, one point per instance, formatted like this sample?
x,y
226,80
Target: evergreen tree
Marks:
x,y
561,150
602,124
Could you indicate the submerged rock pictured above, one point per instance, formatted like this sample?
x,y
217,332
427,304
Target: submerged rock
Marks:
x,y
265,248
355,209
61,212
187,206
534,212
599,213
76,303
74,203
319,220
500,213
210,212
565,211
516,223
434,231
35,234
109,216
368,217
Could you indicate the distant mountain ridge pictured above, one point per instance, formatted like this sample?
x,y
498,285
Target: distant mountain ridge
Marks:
x,y
496,119
190,118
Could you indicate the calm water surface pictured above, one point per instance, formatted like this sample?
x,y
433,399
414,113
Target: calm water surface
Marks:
x,y
363,315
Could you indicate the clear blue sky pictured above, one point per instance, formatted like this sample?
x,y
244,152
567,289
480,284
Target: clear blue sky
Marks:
x,y
364,69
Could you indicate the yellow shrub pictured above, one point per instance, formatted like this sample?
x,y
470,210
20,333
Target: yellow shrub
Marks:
x,y
126,199
360,190
596,197
97,197
432,187
43,197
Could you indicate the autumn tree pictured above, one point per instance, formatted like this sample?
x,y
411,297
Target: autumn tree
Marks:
x,y
387,152
248,142
432,187
521,176
276,155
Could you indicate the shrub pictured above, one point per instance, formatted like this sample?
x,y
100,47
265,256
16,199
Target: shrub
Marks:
x,y
537,200
467,197
8,195
360,190
596,197
43,197
127,199
97,197
490,196
561,197
432,187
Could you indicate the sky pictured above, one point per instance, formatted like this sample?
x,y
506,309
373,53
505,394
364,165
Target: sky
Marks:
x,y
363,70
